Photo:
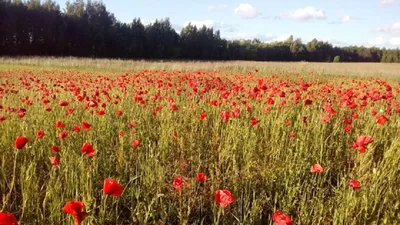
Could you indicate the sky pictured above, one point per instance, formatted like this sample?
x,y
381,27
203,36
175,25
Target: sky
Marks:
x,y
340,22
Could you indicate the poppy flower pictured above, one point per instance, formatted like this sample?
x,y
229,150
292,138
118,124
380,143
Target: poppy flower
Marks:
x,y
347,128
100,112
86,125
7,219
361,143
136,143
55,149
119,112
76,129
355,184
307,102
280,218
177,183
254,121
329,109
292,135
88,149
224,198
381,119
316,168
60,124
20,142
75,209
63,103
201,177
54,161
63,135
40,134
203,116
112,187
225,116
326,119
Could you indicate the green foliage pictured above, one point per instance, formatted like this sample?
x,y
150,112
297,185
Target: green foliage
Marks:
x,y
88,29
336,59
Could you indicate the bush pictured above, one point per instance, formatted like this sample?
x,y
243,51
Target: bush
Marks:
x,y
336,59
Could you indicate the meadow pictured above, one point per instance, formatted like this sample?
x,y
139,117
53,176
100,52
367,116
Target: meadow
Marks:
x,y
97,141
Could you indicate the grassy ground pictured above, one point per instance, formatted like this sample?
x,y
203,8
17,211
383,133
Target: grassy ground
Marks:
x,y
279,125
107,65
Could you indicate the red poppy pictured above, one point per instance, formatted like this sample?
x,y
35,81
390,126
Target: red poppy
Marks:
x,y
112,187
316,168
361,143
119,112
292,135
177,183
203,116
326,119
307,102
224,197
20,142
86,125
55,149
225,116
100,112
254,121
40,134
63,103
54,161
63,135
136,143
121,134
60,124
347,128
280,218
7,219
88,149
381,119
329,109
76,129
201,177
355,184
75,208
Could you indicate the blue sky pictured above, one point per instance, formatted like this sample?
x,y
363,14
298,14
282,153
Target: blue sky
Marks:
x,y
341,22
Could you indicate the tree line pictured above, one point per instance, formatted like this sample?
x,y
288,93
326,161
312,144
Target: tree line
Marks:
x,y
88,29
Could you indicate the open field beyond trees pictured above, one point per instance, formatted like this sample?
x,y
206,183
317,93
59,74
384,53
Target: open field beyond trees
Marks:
x,y
86,141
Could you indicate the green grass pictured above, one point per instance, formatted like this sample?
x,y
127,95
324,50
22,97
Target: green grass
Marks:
x,y
261,166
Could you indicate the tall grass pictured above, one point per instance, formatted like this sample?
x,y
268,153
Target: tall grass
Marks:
x,y
116,65
261,165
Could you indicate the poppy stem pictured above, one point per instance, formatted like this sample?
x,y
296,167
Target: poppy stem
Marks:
x,y
12,183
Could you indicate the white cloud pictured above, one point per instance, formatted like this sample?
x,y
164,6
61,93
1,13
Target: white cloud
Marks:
x,y
391,42
392,29
306,14
386,2
395,41
218,7
246,11
378,41
346,19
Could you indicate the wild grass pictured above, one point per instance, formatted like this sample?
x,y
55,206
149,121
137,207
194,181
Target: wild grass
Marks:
x,y
263,168
386,70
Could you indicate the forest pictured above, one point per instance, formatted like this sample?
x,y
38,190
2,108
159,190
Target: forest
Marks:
x,y
88,29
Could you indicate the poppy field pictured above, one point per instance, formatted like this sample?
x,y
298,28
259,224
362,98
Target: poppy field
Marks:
x,y
198,147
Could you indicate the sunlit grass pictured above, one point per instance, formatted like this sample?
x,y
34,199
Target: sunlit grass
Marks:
x,y
260,165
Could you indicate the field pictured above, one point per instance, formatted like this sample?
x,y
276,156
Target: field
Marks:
x,y
87,141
